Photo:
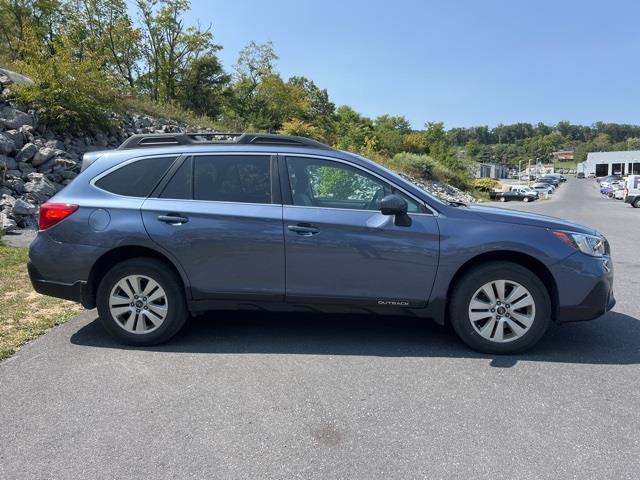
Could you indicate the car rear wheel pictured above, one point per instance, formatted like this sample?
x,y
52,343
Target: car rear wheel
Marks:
x,y
502,199
636,204
141,302
525,199
500,308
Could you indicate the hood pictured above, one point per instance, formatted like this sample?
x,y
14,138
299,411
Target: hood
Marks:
x,y
532,219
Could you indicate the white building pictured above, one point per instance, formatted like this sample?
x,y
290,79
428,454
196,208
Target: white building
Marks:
x,y
611,163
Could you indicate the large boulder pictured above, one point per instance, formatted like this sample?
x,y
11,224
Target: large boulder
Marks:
x,y
26,169
22,207
7,145
7,224
7,202
39,187
14,77
16,136
43,155
55,144
8,163
27,132
26,153
12,118
16,185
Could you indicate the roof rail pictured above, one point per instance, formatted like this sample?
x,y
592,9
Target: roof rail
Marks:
x,y
154,140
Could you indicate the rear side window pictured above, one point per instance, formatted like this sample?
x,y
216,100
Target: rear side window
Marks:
x,y
136,179
232,178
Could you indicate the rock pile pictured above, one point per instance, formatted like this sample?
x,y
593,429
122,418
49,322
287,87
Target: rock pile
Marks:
x,y
36,162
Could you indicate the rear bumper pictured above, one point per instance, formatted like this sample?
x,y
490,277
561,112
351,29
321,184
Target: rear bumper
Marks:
x,y
68,291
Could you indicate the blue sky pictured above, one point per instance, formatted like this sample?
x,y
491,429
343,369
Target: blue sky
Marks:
x,y
461,62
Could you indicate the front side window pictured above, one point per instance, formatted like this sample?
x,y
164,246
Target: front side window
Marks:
x,y
136,179
324,183
232,178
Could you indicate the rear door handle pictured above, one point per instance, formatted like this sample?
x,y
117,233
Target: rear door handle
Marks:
x,y
173,219
304,230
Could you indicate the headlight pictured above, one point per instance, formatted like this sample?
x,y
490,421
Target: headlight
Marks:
x,y
589,244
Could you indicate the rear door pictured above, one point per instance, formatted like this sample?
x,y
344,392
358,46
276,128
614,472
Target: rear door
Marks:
x,y
220,216
340,248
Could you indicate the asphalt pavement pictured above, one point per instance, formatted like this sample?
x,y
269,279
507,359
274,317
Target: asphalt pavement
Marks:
x,y
299,396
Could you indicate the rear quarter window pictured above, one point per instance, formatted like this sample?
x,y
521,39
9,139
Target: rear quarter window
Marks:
x,y
136,179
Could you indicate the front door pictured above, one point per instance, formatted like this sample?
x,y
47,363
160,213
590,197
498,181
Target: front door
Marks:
x,y
340,248
218,218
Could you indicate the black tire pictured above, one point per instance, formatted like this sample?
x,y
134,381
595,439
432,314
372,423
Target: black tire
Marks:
x,y
156,270
503,199
474,280
636,204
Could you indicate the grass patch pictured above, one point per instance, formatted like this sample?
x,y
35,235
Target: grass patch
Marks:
x,y
169,111
566,165
25,314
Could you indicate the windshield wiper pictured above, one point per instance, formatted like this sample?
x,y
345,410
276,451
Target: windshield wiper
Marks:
x,y
455,203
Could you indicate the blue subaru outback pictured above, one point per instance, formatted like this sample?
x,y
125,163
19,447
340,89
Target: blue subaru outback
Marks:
x,y
171,225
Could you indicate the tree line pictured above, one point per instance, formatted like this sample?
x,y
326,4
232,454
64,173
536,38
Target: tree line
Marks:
x,y
88,57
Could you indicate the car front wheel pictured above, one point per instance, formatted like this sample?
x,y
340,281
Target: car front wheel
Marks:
x,y
500,308
141,302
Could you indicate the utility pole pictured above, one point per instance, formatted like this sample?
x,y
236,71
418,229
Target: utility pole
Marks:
x,y
520,171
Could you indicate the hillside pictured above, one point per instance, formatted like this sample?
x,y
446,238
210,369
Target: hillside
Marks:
x,y
36,161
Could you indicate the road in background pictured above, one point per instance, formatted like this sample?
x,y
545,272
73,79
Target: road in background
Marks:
x,y
306,396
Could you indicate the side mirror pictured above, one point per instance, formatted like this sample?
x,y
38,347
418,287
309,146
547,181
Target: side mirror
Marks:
x,y
393,205
396,205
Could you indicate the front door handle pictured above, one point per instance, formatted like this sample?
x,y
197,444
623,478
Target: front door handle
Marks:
x,y
173,219
303,229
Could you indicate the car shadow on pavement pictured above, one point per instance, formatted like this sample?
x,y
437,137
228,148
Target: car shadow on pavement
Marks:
x,y
612,339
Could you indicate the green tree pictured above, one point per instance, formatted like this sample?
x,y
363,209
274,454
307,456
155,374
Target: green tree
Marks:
x,y
169,46
104,27
353,131
25,24
203,87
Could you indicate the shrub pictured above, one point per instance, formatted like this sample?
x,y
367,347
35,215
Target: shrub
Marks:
x,y
420,166
457,178
69,93
485,184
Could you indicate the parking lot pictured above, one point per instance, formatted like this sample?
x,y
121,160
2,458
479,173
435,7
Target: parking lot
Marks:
x,y
307,396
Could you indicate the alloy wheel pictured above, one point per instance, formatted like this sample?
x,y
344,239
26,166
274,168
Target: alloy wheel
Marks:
x,y
502,311
138,304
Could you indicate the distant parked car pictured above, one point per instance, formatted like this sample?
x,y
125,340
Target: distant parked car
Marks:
x,y
518,193
609,178
606,190
632,191
580,175
550,180
591,175
619,192
543,188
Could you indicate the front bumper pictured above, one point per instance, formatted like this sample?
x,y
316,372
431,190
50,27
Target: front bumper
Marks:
x,y
598,302
585,288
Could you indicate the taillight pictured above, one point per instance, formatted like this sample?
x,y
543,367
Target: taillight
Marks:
x,y
52,213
